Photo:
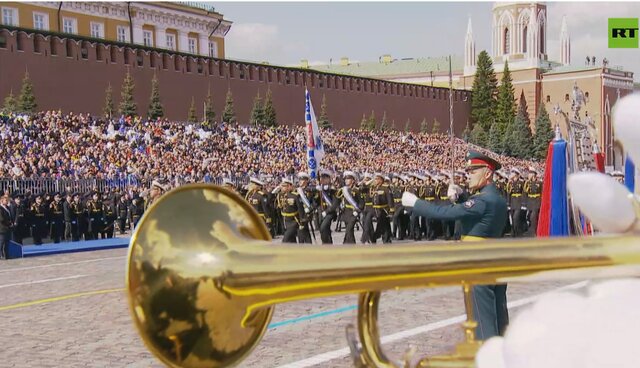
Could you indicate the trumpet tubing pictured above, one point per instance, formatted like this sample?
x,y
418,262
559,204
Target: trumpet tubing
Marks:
x,y
202,287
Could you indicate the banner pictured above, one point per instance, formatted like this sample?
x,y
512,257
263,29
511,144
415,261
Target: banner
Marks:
x,y
315,147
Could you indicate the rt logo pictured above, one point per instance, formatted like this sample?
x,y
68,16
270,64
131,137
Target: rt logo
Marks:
x,y
623,33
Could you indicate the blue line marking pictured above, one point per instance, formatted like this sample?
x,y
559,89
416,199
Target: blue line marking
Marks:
x,y
311,316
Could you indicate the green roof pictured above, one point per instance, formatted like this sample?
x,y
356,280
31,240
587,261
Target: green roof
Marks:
x,y
206,6
572,68
395,67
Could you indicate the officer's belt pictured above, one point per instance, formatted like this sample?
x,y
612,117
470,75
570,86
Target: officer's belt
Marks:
x,y
441,197
429,198
380,206
397,200
39,215
289,214
534,195
349,206
468,238
516,194
369,203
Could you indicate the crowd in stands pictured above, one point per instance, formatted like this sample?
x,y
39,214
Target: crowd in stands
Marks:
x,y
74,146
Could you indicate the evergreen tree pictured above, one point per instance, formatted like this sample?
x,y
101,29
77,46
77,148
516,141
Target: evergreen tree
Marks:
x,y
10,103
155,106
270,118
435,129
109,107
229,114
257,112
193,114
323,120
505,111
27,100
128,106
544,133
466,133
521,137
364,123
394,128
424,126
483,92
407,126
496,139
209,112
479,136
510,146
372,121
384,125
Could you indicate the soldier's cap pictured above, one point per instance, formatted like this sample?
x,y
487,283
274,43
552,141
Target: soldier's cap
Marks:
x,y
378,175
476,159
367,176
227,181
159,185
500,173
286,181
349,173
516,171
419,177
256,181
387,178
461,173
617,173
325,172
18,196
76,194
303,175
532,169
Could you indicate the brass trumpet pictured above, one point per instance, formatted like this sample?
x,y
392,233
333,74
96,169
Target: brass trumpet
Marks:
x,y
202,287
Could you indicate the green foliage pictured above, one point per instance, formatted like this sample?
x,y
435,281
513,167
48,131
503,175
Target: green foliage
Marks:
x,y
435,129
407,126
270,118
522,141
257,112
479,136
372,121
466,133
10,103
483,93
364,123
209,112
155,106
384,124
193,114
544,133
505,113
424,126
109,107
229,114
27,100
323,120
128,106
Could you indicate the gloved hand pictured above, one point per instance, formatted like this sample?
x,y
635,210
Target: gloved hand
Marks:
x,y
453,192
324,213
409,199
306,210
355,213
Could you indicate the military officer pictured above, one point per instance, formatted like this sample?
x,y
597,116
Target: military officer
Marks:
x,y
533,192
228,184
258,199
21,229
383,206
428,225
309,198
515,189
122,211
292,211
353,204
482,215
38,214
399,229
56,223
329,203
78,219
367,213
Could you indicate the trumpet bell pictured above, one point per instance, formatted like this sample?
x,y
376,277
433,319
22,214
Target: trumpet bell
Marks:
x,y
184,317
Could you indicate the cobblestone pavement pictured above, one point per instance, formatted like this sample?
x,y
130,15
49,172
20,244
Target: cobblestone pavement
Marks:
x,y
95,330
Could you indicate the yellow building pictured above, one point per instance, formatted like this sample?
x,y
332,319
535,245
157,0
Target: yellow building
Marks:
x,y
183,26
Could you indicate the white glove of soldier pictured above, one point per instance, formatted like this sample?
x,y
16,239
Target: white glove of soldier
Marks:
x,y
355,213
324,214
409,199
306,210
453,192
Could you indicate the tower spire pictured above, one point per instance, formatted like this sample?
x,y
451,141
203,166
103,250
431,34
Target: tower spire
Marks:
x,y
469,51
565,43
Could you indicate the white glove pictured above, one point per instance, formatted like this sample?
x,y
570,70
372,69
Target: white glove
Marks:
x,y
324,214
306,210
355,213
409,199
453,192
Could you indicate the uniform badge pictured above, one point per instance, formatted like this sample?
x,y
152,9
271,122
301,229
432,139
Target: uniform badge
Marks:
x,y
291,201
470,203
254,201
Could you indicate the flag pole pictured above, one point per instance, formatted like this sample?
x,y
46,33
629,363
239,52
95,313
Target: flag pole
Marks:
x,y
452,136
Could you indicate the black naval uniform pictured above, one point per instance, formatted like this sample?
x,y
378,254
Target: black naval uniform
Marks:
x,y
56,220
352,211
329,203
78,220
399,224
304,234
96,218
259,201
21,229
516,202
429,195
383,205
122,212
38,221
292,213
367,215
533,192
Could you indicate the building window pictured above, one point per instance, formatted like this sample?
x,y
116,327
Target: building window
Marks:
x,y
122,34
507,42
41,21
69,25
192,45
10,16
524,39
213,49
97,30
147,38
548,98
171,42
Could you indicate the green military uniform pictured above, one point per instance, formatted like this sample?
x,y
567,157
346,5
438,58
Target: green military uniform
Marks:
x,y
533,194
481,215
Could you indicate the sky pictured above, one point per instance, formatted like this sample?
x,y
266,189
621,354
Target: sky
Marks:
x,y
286,32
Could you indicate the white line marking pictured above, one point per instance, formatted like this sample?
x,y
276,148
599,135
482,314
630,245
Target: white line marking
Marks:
x,y
325,357
60,264
42,281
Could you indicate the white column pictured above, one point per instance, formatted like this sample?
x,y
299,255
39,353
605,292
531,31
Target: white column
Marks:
x,y
204,45
137,34
183,41
161,37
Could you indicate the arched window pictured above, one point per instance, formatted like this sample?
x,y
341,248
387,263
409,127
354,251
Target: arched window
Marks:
x,y
507,42
542,50
524,40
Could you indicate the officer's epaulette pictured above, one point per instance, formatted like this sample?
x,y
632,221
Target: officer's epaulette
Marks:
x,y
295,193
261,192
385,185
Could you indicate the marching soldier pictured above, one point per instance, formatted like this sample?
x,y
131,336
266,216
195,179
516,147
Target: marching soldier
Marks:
x,y
367,213
95,214
399,225
353,204
291,210
382,206
38,219
414,221
482,216
122,212
515,188
56,218
78,219
20,220
258,199
533,191
443,199
309,199
328,205
428,225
